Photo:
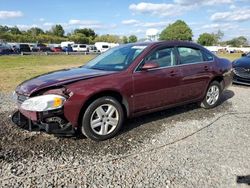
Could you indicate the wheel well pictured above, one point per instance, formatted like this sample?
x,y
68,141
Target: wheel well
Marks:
x,y
219,79
114,94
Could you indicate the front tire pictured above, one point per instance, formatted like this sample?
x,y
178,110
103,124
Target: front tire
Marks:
x,y
213,96
102,119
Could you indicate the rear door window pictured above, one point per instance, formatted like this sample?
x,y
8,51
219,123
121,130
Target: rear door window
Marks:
x,y
190,55
207,56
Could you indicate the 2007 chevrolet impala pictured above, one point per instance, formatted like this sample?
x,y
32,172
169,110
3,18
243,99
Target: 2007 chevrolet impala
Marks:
x,y
124,82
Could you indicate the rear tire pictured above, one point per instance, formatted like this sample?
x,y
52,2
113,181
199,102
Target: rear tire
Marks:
x,y
213,96
102,119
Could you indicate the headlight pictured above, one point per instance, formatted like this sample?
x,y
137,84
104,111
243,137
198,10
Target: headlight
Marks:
x,y
43,103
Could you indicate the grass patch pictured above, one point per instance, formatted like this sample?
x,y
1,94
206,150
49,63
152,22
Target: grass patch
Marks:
x,y
231,57
15,69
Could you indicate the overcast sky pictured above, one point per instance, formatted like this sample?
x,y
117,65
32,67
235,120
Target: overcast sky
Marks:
x,y
130,16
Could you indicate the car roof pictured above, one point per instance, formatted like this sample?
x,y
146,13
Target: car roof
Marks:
x,y
171,43
167,42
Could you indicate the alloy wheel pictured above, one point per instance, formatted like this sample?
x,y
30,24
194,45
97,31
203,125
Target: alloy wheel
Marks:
x,y
104,119
212,95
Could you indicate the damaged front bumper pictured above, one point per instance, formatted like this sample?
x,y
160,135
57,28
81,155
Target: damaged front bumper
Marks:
x,y
50,122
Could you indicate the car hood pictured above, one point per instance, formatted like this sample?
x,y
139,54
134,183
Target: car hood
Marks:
x,y
242,62
58,78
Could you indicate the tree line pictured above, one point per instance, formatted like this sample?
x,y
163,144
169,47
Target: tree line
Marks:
x,y
57,35
179,30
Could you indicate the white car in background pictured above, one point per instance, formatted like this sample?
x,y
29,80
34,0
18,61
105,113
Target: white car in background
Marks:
x,y
102,46
66,44
80,47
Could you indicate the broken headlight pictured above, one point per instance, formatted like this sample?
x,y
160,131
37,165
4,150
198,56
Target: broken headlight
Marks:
x,y
43,103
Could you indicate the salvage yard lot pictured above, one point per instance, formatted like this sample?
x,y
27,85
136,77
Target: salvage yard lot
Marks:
x,y
186,146
15,69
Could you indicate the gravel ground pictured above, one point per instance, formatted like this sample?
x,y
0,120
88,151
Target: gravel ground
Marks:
x,y
180,147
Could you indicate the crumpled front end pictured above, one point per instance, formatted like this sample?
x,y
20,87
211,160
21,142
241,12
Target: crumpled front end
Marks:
x,y
43,113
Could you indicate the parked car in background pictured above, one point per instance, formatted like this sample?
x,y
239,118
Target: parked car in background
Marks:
x,y
67,48
5,49
80,47
124,82
40,48
32,46
23,48
92,49
241,70
66,44
56,49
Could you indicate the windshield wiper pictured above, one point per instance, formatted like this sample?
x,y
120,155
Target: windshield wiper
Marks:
x,y
98,68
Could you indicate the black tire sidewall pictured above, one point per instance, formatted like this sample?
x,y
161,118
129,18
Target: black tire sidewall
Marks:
x,y
204,102
86,128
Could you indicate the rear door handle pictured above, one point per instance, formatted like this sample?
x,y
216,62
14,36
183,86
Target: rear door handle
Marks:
x,y
173,73
206,68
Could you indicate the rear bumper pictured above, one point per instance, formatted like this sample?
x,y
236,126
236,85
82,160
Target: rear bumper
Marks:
x,y
228,79
32,122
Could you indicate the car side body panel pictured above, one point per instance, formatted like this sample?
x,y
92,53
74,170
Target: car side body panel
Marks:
x,y
155,88
195,78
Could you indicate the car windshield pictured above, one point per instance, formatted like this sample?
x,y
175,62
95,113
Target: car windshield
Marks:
x,y
116,59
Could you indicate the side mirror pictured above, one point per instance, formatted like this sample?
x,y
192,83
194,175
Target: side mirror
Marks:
x,y
150,65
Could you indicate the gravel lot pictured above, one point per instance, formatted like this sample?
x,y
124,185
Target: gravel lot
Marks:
x,y
181,147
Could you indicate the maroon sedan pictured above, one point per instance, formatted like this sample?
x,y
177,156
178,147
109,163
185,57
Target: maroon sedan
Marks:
x,y
124,82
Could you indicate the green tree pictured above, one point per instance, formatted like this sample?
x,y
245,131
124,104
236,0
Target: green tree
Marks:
x,y
207,39
34,31
237,42
108,38
4,29
124,40
132,39
57,30
15,31
177,31
79,38
87,32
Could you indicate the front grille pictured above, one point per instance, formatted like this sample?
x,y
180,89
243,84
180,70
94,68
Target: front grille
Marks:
x,y
21,98
242,72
